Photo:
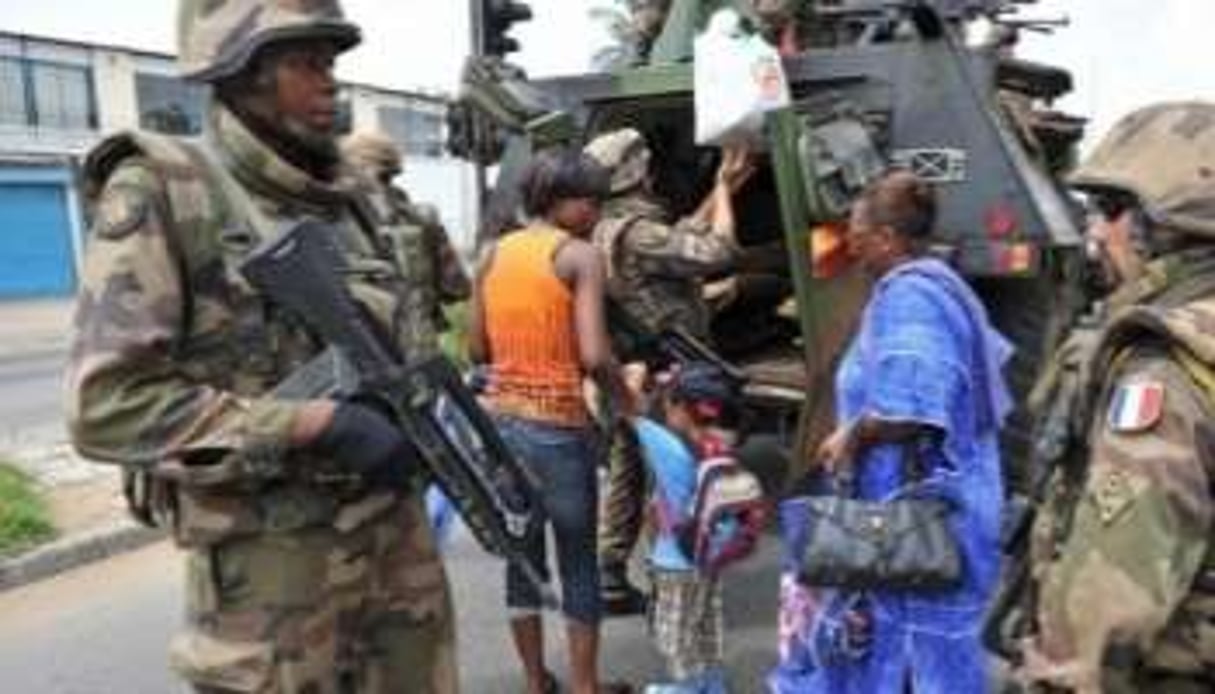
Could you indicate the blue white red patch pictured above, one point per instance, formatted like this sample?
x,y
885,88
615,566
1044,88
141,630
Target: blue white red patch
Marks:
x,y
1136,407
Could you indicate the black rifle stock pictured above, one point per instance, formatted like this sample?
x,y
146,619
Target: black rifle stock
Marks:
x,y
301,271
1008,620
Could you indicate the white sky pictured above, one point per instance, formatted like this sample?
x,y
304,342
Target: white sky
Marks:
x,y
407,43
1126,53
1122,52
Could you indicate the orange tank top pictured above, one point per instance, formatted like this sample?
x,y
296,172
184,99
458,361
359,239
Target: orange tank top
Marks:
x,y
535,371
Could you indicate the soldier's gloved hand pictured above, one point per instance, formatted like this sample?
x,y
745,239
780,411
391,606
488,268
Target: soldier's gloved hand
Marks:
x,y
366,442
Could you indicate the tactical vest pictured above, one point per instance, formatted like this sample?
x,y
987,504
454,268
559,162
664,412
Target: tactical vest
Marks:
x,y
637,294
1186,647
230,337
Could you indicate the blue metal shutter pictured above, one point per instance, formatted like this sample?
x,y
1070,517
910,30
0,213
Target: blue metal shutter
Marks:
x,y
35,241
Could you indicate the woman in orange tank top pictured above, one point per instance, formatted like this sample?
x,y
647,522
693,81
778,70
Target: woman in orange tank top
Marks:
x,y
538,326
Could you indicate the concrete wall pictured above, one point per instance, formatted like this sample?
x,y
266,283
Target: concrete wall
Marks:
x,y
114,77
44,141
364,109
448,184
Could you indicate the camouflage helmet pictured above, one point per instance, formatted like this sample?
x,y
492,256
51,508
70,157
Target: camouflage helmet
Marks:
x,y
1164,155
625,154
217,38
649,17
772,11
371,152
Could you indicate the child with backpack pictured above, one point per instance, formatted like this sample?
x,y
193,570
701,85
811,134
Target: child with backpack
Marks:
x,y
708,512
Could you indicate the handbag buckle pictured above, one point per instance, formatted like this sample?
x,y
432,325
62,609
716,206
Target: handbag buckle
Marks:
x,y
877,523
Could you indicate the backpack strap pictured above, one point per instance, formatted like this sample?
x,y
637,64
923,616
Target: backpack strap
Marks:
x,y
708,470
612,241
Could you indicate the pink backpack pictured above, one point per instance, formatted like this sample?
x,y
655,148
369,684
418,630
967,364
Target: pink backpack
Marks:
x,y
728,514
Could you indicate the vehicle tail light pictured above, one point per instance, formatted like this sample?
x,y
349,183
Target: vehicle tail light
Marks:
x,y
1000,220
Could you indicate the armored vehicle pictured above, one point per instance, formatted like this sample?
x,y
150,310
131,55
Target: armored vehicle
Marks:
x,y
927,85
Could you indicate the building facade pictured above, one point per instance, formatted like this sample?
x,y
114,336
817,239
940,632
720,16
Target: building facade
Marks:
x,y
59,98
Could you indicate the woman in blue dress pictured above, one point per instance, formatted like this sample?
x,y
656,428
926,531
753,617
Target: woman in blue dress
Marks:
x,y
923,374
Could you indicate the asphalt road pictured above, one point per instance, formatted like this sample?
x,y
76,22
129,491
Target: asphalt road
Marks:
x,y
31,402
103,628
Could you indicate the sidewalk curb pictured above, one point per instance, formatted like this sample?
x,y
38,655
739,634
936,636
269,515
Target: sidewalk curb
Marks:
x,y
74,551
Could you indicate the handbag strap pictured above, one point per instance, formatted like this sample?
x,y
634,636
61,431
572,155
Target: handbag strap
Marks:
x,y
913,464
914,467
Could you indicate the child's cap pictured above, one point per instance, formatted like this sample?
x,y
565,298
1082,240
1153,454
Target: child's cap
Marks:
x,y
705,387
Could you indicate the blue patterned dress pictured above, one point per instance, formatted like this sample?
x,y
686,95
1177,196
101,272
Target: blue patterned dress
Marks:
x,y
925,353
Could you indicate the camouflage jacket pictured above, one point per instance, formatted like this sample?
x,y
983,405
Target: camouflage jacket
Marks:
x,y
657,270
174,354
424,251
1123,564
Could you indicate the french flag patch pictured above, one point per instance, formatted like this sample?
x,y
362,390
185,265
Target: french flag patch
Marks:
x,y
1136,407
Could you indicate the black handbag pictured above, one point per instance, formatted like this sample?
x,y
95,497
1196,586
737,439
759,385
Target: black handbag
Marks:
x,y
903,544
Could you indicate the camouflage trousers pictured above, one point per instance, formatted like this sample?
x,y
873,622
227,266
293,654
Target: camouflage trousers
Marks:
x,y
318,611
622,508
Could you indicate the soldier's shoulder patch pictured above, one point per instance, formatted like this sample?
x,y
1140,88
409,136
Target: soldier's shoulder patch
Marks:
x,y
122,210
1112,491
1136,407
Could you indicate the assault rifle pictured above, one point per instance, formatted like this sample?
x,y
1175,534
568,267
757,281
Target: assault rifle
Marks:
x,y
302,271
633,341
1010,618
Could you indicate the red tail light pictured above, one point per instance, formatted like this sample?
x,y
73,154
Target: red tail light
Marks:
x,y
1000,220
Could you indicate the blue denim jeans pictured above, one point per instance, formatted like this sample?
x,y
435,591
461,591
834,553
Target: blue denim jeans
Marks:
x,y
562,459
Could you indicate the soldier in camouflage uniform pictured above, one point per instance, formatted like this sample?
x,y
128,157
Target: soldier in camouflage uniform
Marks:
x,y
311,567
371,161
656,272
657,269
1122,582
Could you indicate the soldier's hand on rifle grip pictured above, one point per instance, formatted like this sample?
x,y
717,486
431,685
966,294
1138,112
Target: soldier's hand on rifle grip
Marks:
x,y
366,442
